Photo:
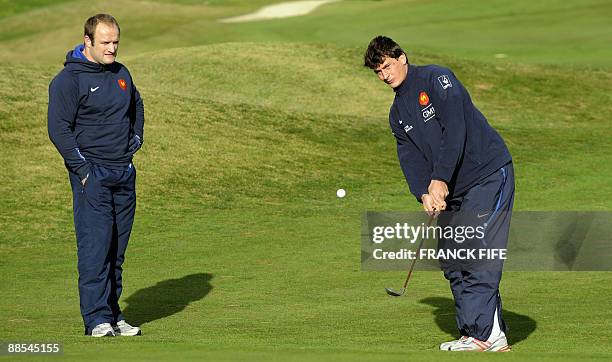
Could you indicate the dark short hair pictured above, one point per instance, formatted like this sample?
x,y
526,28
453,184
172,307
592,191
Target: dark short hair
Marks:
x,y
380,48
92,23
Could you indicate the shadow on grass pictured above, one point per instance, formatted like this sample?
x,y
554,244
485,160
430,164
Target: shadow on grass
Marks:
x,y
519,326
166,298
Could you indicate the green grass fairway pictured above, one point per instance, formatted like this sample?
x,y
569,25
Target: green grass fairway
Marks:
x,y
240,248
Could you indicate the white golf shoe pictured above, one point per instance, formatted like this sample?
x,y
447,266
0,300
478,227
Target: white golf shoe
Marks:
x,y
471,344
123,328
446,345
103,330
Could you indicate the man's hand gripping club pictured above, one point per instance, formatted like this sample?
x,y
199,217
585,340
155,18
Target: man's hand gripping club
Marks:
x,y
434,200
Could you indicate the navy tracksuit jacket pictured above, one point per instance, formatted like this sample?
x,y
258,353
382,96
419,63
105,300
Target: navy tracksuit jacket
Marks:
x,y
441,135
94,112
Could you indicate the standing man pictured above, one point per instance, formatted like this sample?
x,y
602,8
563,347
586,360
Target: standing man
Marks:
x,y
95,121
452,160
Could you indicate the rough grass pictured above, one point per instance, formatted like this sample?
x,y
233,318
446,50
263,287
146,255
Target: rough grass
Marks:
x,y
566,32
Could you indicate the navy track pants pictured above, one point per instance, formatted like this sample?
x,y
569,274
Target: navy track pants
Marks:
x,y
103,216
475,287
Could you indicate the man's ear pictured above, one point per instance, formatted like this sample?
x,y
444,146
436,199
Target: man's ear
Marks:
x,y
402,59
87,41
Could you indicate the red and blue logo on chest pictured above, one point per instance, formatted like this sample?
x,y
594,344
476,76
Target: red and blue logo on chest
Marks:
x,y
429,111
122,84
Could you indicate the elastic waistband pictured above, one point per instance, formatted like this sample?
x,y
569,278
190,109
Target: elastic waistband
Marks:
x,y
125,167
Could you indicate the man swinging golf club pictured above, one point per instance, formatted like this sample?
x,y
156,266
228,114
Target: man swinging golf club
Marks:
x,y
452,160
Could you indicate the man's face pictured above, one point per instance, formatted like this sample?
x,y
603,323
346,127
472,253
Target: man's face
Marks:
x,y
392,71
104,48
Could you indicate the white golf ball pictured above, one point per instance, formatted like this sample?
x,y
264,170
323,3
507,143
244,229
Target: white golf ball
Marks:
x,y
340,193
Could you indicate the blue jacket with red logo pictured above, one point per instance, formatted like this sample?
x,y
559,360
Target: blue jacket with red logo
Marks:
x,y
94,111
440,134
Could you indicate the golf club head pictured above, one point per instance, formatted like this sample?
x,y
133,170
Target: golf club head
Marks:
x,y
393,293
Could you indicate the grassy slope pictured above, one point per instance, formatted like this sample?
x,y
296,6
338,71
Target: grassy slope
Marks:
x,y
543,32
12,7
240,243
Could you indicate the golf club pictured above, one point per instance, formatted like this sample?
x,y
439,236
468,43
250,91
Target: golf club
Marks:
x,y
394,293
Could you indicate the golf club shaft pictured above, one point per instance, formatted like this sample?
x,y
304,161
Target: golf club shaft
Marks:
x,y
417,252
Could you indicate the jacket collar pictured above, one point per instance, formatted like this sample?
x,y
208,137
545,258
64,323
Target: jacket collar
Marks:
x,y
405,86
